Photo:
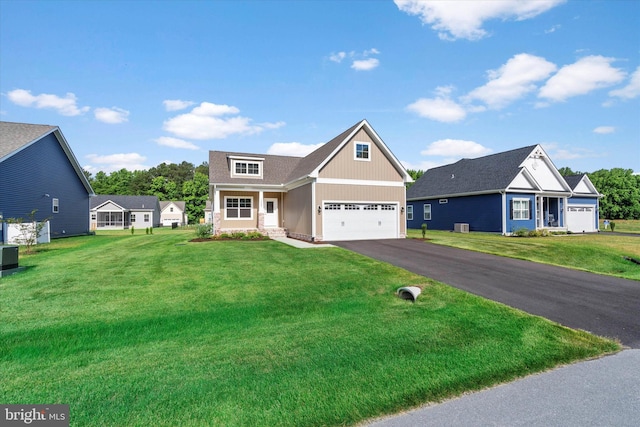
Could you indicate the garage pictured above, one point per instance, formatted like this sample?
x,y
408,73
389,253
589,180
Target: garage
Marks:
x,y
581,219
360,221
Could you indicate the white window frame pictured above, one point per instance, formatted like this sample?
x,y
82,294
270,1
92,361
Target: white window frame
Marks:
x,y
55,206
239,208
368,151
255,165
521,213
409,212
146,217
426,209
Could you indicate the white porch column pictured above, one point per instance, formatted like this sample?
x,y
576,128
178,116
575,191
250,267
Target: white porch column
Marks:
x,y
216,200
261,202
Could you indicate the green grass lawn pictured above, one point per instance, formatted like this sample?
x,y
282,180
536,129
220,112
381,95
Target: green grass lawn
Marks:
x,y
602,253
153,330
623,226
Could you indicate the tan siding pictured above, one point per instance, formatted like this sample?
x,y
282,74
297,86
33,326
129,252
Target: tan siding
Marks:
x,y
344,166
361,193
239,223
297,215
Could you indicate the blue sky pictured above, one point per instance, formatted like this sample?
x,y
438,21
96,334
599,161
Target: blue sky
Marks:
x,y
136,83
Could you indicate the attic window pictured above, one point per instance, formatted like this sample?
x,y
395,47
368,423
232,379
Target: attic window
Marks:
x,y
363,151
246,168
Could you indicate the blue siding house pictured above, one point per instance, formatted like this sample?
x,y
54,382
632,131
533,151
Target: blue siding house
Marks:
x,y
502,193
38,171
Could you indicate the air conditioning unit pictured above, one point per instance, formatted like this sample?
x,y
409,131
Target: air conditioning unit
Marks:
x,y
8,257
460,227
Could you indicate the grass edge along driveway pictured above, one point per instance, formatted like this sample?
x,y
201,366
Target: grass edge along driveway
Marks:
x,y
153,330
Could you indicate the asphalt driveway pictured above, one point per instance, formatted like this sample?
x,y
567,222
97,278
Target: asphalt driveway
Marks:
x,y
602,305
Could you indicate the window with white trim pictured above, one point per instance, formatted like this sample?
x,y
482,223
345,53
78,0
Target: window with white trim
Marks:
x,y
238,208
133,217
409,212
146,217
362,151
427,212
55,205
520,209
247,168
332,207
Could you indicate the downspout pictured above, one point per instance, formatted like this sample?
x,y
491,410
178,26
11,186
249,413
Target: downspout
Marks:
x,y
504,212
313,211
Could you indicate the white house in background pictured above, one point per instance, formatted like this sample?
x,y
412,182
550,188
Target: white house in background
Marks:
x,y
171,212
112,212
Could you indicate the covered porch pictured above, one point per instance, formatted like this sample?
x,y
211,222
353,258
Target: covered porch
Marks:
x,y
551,212
239,209
113,220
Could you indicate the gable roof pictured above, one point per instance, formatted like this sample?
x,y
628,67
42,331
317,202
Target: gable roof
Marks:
x,y
282,170
179,204
581,185
15,137
126,202
481,175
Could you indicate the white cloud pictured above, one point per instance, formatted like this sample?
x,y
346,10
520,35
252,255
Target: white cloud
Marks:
x,y
583,76
66,106
113,115
630,91
553,29
168,141
567,153
440,108
463,19
292,149
604,129
176,104
337,57
512,80
365,64
360,61
455,148
208,121
113,162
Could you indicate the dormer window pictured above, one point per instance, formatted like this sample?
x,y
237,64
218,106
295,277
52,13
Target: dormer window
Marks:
x,y
246,168
362,151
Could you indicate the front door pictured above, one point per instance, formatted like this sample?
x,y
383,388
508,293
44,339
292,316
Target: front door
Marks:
x,y
270,212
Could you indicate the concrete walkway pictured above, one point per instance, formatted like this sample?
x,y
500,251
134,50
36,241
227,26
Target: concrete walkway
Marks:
x,y
600,392
301,244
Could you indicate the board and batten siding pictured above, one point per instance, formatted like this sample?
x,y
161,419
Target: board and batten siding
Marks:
x,y
344,166
361,193
33,177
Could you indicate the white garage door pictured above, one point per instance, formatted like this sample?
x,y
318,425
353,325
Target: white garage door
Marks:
x,y
581,219
359,221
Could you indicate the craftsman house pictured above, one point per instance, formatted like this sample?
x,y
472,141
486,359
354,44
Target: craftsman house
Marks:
x,y
504,192
350,188
39,172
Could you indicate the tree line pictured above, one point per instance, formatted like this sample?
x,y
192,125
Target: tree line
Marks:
x,y
620,187
167,181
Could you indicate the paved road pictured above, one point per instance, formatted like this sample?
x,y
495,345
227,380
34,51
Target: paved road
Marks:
x,y
602,305
601,392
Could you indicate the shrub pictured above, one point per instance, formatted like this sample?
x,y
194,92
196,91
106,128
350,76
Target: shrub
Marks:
x,y
613,226
424,230
521,232
204,231
132,229
146,230
255,235
237,235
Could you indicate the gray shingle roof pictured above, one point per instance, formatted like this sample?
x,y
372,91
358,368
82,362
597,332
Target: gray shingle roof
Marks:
x,y
127,202
14,136
277,170
573,180
484,174
179,204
